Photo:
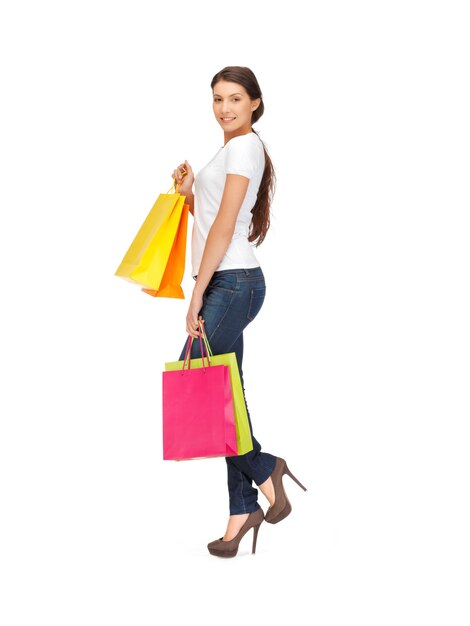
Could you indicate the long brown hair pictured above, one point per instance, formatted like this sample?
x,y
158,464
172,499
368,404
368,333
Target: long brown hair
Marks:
x,y
261,211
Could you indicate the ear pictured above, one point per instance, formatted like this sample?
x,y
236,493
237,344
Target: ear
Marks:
x,y
255,104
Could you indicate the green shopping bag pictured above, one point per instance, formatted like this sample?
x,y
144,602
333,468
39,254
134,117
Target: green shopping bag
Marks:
x,y
244,441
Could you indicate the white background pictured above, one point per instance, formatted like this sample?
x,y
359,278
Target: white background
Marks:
x,y
356,368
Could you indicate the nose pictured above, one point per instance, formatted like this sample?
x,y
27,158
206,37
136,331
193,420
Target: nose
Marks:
x,y
224,107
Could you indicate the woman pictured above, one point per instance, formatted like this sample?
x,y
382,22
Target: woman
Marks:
x,y
230,205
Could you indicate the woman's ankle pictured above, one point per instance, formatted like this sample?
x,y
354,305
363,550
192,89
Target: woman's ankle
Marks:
x,y
235,522
267,489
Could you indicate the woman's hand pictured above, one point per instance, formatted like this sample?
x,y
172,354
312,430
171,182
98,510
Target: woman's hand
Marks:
x,y
193,317
184,180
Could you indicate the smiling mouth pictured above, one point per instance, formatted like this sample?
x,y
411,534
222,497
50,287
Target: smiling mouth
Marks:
x,y
227,119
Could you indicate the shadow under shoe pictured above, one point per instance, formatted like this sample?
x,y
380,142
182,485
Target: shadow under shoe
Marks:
x,y
281,507
219,547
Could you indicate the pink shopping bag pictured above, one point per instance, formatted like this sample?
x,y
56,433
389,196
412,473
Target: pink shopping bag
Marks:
x,y
198,416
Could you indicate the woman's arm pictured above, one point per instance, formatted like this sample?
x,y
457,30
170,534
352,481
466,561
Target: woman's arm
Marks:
x,y
189,200
218,240
184,180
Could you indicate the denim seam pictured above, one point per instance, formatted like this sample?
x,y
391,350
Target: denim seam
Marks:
x,y
250,279
241,491
232,291
222,318
264,477
257,278
250,315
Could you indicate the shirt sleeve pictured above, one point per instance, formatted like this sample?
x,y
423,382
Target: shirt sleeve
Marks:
x,y
242,156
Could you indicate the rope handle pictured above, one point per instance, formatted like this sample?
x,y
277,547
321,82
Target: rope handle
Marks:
x,y
205,339
176,185
187,354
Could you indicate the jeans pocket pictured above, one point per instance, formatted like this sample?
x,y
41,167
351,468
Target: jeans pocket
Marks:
x,y
226,282
256,302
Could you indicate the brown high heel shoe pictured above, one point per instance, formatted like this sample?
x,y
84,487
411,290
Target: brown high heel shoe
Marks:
x,y
219,547
281,507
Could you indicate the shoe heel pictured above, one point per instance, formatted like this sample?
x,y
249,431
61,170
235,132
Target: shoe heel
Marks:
x,y
289,473
255,538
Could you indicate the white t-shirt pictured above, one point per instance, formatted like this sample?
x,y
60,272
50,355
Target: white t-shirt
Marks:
x,y
243,155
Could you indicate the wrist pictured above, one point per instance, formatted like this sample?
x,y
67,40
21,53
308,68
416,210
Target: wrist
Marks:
x,y
198,291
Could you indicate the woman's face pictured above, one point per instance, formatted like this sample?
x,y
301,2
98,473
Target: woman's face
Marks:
x,y
233,107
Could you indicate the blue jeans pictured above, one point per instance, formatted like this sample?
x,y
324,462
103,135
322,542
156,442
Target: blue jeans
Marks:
x,y
232,299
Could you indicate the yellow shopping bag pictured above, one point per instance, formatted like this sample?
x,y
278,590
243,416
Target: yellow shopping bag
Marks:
x,y
156,258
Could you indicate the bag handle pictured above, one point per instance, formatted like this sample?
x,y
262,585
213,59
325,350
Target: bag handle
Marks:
x,y
187,354
205,339
175,185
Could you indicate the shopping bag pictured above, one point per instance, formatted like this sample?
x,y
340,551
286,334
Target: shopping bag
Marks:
x,y
156,257
242,426
198,415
